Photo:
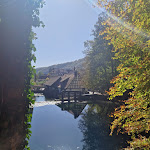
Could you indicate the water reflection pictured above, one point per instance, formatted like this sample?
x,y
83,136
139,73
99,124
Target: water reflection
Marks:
x,y
72,107
94,125
53,128
60,126
73,126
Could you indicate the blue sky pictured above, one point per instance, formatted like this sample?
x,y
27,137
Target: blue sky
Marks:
x,y
68,23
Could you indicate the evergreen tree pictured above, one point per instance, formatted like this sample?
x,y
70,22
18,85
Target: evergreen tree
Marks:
x,y
100,66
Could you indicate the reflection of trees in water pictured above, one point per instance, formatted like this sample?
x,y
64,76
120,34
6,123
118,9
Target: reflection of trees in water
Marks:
x,y
94,125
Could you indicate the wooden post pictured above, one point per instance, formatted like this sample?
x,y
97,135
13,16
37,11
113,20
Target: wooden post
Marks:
x,y
80,95
62,103
68,96
75,99
62,96
68,105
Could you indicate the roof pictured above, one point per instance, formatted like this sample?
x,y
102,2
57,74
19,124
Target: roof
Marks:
x,y
52,80
70,80
74,83
66,76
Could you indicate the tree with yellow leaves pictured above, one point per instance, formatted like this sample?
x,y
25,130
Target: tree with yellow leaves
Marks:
x,y
129,32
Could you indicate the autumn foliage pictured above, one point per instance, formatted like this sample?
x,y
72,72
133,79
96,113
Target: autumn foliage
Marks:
x,y
129,32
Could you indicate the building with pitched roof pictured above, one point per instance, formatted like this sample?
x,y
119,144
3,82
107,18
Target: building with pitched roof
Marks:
x,y
74,87
51,87
67,85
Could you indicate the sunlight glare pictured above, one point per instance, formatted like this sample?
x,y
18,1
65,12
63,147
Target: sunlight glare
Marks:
x,y
97,9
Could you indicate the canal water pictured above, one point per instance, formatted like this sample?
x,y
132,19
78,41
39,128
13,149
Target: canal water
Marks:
x,y
72,126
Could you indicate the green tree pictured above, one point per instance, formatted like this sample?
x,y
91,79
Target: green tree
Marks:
x,y
100,67
129,32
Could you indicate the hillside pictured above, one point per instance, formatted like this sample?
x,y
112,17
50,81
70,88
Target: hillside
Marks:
x,y
78,64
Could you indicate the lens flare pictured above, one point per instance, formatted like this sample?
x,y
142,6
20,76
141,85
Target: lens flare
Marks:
x,y
98,9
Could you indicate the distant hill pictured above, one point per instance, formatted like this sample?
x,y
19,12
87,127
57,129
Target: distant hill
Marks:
x,y
78,64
